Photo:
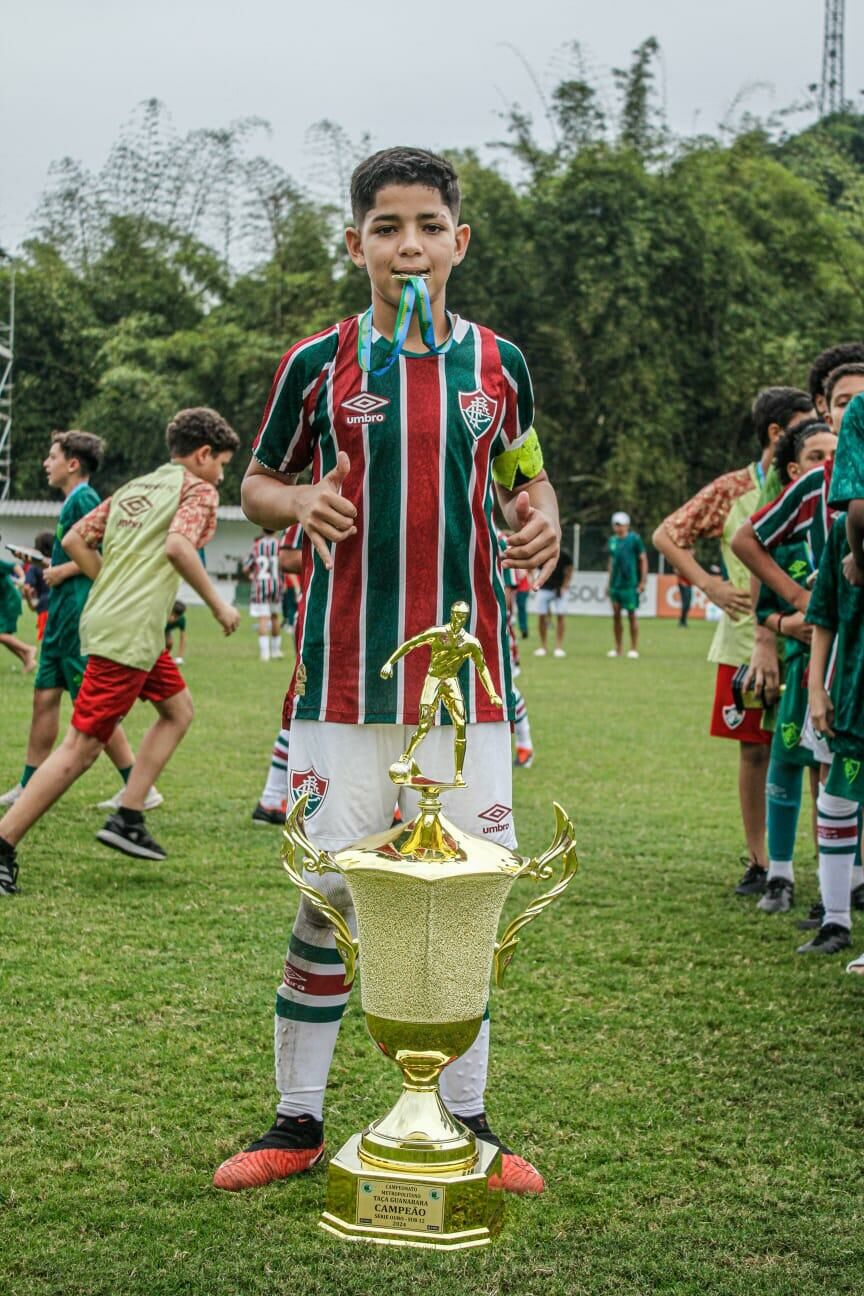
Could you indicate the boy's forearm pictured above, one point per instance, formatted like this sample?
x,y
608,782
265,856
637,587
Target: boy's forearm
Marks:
x,y
747,546
183,557
820,650
681,559
84,559
268,501
855,531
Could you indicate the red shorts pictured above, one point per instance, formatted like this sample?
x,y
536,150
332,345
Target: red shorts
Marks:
x,y
41,618
727,721
108,691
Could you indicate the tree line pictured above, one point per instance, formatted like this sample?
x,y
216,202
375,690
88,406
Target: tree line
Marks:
x,y
653,282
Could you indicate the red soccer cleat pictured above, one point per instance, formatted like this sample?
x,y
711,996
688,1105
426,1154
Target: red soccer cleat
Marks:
x,y
291,1146
524,757
517,1174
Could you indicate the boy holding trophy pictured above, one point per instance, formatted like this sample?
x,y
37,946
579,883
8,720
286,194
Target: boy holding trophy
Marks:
x,y
406,414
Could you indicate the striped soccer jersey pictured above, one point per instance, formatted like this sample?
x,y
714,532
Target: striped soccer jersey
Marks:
x,y
422,439
802,512
264,564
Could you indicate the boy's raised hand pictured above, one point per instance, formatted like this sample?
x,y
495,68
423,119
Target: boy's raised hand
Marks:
x,y
534,543
323,512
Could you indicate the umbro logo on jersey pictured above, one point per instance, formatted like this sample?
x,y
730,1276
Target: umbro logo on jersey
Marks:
x,y
135,505
308,783
478,410
365,408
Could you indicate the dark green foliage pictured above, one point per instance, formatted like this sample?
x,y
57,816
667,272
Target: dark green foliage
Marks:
x,y
655,285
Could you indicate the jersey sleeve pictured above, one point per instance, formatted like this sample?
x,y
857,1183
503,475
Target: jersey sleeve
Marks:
x,y
640,545
195,518
91,527
286,438
514,468
823,608
704,516
789,516
518,419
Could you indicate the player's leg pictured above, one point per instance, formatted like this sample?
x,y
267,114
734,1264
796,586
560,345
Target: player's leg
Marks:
x,y
275,634
350,796
752,772
262,616
617,631
783,788
25,653
522,733
273,802
478,809
542,626
560,621
634,632
838,851
44,727
76,753
164,686
522,612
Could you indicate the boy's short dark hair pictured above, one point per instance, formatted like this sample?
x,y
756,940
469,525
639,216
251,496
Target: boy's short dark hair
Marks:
x,y
179,608
87,448
190,429
788,446
829,359
777,405
403,166
842,371
44,542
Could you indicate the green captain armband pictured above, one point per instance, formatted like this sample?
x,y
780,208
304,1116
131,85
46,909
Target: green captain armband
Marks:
x,y
514,468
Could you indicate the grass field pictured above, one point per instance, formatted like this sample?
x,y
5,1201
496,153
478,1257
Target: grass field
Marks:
x,y
689,1086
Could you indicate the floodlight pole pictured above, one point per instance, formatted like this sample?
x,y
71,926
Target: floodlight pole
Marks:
x,y
7,356
832,97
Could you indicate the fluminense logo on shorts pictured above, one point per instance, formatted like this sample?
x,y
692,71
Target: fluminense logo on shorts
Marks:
x,y
365,408
732,717
496,814
308,783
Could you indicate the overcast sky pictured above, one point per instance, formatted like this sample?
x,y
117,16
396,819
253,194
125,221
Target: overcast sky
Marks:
x,y
433,74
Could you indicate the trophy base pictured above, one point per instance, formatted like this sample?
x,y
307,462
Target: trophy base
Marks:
x,y
444,1212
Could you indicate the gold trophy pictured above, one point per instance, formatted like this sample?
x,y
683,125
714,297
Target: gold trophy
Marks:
x,y
428,899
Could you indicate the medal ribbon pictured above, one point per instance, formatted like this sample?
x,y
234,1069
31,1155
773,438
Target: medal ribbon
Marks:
x,y
415,295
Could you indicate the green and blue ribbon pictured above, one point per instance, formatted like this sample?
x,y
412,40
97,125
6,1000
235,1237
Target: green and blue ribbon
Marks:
x,y
415,296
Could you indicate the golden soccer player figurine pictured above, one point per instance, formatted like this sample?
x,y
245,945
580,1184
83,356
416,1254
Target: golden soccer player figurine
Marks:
x,y
450,647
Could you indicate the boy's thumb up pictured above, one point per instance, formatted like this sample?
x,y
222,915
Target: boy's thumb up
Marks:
x,y
337,474
523,507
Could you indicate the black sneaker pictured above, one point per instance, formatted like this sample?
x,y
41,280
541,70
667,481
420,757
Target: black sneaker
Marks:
x,y
8,869
269,814
753,881
813,921
856,898
131,839
830,939
779,896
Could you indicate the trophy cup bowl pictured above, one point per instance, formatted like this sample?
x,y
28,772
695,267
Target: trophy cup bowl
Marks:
x,y
428,899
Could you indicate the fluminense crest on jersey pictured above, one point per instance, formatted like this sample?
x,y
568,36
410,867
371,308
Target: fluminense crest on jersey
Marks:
x,y
310,784
478,410
365,408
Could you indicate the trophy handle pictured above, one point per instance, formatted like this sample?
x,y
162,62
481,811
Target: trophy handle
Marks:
x,y
540,869
295,841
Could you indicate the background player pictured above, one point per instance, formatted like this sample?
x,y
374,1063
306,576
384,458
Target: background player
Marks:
x,y
265,596
628,571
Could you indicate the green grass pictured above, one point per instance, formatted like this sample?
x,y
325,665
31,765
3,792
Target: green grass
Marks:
x,y
690,1087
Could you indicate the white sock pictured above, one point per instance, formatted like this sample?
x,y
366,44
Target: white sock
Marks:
x,y
857,876
276,788
521,726
838,851
264,647
309,1006
275,645
463,1082
781,869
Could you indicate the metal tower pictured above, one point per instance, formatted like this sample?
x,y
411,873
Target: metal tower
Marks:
x,y
831,89
7,352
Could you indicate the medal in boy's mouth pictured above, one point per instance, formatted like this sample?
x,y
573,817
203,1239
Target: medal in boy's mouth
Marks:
x,y
404,275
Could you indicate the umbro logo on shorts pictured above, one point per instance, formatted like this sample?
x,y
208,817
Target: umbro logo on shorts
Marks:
x,y
365,408
496,815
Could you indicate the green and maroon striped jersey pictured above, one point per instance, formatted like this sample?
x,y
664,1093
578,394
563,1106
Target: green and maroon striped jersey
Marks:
x,y
802,512
422,439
